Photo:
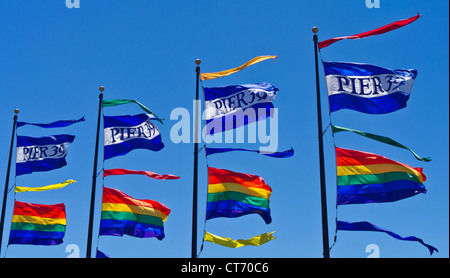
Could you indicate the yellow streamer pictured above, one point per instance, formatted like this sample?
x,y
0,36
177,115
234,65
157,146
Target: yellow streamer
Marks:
x,y
44,188
228,242
212,75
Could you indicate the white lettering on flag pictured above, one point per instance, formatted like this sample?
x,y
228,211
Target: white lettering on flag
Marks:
x,y
115,135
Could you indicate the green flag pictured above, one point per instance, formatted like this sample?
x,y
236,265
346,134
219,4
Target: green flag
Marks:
x,y
379,138
114,102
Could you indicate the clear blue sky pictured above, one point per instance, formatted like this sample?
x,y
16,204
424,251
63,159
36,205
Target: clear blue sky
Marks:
x,y
53,59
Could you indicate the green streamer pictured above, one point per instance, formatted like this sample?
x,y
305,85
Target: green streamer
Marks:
x,y
379,138
114,102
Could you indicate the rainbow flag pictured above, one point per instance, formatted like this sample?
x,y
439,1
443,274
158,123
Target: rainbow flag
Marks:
x,y
370,178
122,214
37,224
232,194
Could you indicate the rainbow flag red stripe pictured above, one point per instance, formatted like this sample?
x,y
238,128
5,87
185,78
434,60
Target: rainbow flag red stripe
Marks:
x,y
122,214
364,177
37,224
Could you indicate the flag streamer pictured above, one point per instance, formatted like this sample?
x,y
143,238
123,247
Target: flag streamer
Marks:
x,y
366,226
284,154
379,138
378,31
44,188
114,102
111,172
213,75
62,123
228,242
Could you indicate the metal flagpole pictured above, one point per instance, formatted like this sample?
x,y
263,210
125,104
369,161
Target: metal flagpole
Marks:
x,y
94,176
195,183
5,193
323,195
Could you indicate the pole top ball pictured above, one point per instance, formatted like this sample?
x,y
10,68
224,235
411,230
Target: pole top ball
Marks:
x,y
198,62
101,88
16,111
315,29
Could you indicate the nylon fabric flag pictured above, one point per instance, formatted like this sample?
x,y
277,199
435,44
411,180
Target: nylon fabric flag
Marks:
x,y
232,194
100,254
284,154
213,75
115,102
367,88
111,172
61,123
228,242
364,177
378,31
369,227
37,224
379,138
44,188
38,154
123,134
124,215
237,105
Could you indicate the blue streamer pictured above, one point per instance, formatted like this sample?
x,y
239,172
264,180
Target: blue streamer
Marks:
x,y
366,226
284,154
62,123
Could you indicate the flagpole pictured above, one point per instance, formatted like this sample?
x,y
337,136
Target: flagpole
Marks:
x,y
5,193
195,182
323,195
94,176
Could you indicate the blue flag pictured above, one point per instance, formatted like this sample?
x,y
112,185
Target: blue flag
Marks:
x,y
39,154
61,123
367,88
238,105
123,134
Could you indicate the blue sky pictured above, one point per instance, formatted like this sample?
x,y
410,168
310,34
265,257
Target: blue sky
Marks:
x,y
53,59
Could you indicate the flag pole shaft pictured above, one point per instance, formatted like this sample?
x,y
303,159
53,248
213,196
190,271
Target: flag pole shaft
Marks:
x,y
323,195
94,178
5,193
195,181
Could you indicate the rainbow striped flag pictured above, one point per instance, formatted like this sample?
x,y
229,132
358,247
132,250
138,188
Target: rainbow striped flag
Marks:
x,y
122,214
232,194
370,178
37,224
